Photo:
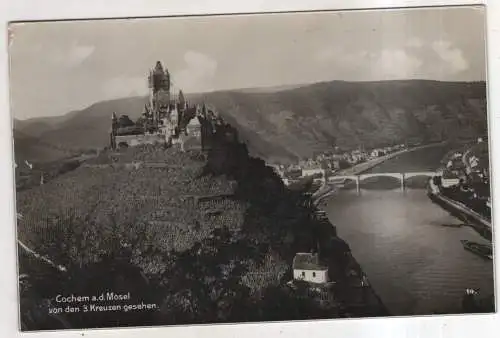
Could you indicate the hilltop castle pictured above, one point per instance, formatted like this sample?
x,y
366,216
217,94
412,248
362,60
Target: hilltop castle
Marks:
x,y
167,118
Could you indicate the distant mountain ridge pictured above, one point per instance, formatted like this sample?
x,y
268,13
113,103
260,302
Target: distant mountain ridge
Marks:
x,y
289,122
27,147
314,118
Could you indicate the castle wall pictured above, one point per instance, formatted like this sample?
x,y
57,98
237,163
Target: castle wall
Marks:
x,y
135,140
192,142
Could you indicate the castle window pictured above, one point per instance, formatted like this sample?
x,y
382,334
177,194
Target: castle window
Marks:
x,y
314,274
303,274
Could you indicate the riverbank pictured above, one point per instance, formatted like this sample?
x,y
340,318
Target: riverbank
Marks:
x,y
360,298
467,200
370,164
415,264
327,190
477,221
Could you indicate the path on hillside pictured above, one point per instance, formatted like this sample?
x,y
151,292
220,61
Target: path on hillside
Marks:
x,y
35,254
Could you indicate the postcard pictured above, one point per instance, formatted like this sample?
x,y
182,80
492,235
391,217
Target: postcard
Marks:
x,y
251,168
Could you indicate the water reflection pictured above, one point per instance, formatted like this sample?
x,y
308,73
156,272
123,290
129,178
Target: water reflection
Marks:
x,y
416,265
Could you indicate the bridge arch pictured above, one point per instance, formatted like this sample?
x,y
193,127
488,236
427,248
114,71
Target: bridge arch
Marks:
x,y
419,174
395,175
402,177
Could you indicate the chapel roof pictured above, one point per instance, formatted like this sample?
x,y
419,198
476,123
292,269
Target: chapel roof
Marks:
x,y
307,261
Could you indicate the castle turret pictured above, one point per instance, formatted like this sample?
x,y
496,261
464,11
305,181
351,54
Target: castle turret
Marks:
x,y
182,100
114,127
204,110
114,121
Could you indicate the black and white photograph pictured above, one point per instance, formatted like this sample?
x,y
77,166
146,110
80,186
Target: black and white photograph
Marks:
x,y
242,168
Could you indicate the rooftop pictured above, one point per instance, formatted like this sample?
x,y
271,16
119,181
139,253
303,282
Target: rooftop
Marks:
x,y
307,261
194,122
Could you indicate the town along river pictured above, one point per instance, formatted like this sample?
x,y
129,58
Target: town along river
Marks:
x,y
414,263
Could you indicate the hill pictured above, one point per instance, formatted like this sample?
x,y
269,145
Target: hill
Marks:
x,y
87,128
292,122
33,149
272,89
205,237
316,117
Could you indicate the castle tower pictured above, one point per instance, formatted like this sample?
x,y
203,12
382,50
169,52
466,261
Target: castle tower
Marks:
x,y
114,122
159,89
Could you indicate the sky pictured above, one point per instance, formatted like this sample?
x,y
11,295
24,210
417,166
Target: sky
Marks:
x,y
58,67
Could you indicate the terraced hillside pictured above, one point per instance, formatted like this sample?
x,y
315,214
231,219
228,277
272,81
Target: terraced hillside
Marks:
x,y
159,198
206,237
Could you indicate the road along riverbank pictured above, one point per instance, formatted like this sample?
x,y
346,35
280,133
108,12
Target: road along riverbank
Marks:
x,y
328,189
370,164
415,264
480,223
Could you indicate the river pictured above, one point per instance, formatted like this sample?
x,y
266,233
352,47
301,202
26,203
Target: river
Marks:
x,y
416,265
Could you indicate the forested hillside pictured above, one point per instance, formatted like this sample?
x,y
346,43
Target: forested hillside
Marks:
x,y
288,123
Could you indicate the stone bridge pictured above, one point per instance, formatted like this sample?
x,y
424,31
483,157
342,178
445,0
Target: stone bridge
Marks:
x,y
402,177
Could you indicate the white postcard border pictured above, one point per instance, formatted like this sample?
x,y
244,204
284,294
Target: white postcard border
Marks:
x,y
438,326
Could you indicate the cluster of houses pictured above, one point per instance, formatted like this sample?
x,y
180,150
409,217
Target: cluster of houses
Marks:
x,y
461,167
466,177
329,162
